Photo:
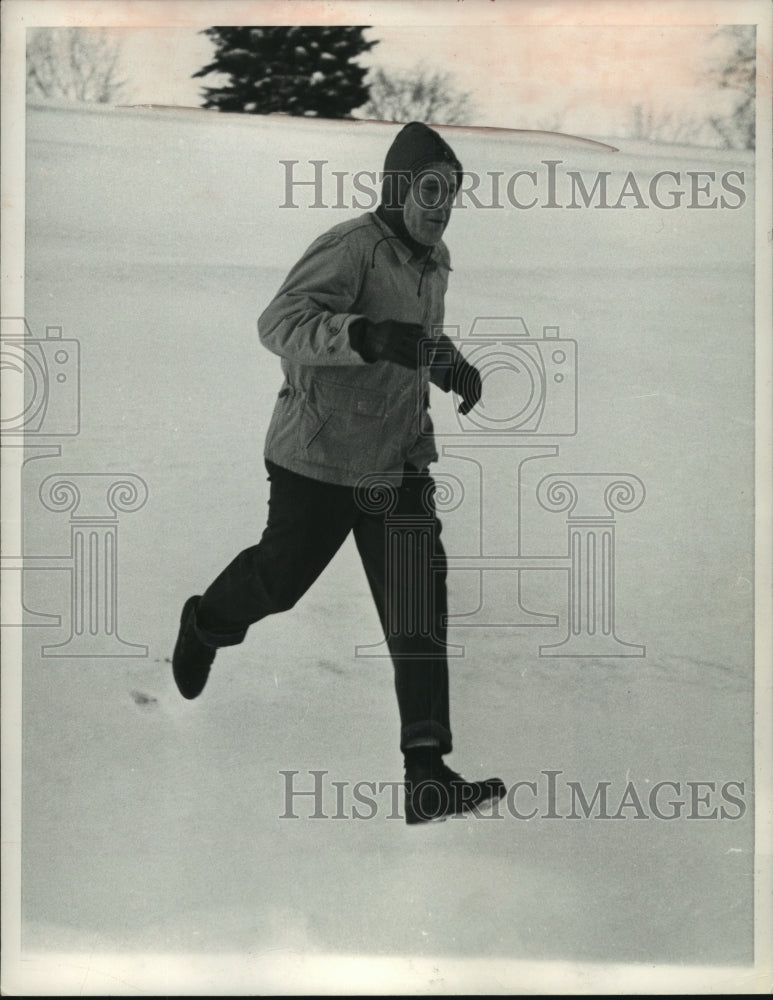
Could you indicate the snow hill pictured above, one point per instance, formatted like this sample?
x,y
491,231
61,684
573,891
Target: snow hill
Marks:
x,y
152,837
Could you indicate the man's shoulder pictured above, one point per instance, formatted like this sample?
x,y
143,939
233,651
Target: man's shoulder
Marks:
x,y
361,229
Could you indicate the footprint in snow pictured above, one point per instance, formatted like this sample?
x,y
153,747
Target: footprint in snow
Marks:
x,y
143,700
329,665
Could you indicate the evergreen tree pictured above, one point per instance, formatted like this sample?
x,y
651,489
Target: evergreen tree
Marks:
x,y
297,70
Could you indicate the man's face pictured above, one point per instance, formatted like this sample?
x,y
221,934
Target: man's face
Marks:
x,y
428,205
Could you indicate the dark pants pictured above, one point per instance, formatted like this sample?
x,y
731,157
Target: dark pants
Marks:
x,y
405,564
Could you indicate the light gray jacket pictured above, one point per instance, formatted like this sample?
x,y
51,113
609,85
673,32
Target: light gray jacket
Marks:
x,y
337,417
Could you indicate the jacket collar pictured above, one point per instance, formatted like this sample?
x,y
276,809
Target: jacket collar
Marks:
x,y
397,246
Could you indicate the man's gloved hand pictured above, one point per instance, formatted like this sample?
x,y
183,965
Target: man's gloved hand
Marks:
x,y
449,370
467,383
388,340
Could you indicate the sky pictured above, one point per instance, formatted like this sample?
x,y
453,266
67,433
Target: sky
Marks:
x,y
520,76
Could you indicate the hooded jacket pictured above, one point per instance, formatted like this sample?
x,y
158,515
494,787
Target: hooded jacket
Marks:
x,y
337,417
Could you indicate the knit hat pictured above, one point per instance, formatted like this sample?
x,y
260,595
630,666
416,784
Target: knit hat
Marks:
x,y
415,147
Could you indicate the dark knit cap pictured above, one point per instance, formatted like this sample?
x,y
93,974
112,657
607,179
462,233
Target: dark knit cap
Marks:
x,y
415,147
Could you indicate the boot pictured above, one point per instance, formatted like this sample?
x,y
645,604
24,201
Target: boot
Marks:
x,y
192,658
433,791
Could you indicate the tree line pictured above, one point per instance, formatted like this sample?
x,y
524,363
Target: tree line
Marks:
x,y
314,71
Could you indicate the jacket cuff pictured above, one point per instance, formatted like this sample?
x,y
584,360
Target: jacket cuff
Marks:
x,y
347,330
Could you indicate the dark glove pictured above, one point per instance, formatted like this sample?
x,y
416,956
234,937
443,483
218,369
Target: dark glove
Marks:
x,y
448,370
389,340
466,382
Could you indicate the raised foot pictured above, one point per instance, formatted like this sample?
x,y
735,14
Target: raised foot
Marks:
x,y
192,658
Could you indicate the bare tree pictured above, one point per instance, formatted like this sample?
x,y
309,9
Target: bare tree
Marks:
x,y
735,71
419,94
652,124
78,64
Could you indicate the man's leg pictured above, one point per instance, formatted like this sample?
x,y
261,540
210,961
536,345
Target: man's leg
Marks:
x,y
406,568
407,577
308,521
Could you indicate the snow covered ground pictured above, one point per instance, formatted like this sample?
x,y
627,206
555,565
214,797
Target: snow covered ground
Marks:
x,y
152,827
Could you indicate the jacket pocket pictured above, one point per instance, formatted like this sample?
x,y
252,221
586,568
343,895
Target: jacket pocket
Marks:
x,y
342,426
